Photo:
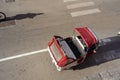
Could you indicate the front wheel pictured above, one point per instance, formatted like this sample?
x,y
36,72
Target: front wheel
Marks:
x,y
2,16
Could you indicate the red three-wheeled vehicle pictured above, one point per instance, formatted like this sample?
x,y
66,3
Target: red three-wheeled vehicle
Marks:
x,y
71,51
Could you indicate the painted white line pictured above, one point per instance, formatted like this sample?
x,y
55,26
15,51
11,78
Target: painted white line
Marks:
x,y
69,0
23,55
106,40
85,12
77,5
119,33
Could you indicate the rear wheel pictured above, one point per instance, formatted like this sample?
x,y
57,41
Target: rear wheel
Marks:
x,y
2,16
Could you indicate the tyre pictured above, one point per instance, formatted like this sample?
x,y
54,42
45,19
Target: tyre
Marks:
x,y
2,16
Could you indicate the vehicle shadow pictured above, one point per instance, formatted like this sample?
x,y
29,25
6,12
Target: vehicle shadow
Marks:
x,y
110,50
23,16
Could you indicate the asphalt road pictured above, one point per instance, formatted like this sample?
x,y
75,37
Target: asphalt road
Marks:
x,y
25,31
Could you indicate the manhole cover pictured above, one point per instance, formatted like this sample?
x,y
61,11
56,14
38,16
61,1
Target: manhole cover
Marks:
x,y
7,23
7,1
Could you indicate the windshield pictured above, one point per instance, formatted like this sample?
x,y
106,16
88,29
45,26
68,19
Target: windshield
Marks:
x,y
56,52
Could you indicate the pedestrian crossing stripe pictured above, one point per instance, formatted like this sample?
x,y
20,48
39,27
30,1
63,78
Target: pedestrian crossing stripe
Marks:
x,y
85,12
78,5
69,0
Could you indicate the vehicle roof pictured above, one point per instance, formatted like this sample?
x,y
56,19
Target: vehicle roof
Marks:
x,y
87,35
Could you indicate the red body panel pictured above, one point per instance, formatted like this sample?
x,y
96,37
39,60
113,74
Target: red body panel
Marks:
x,y
63,60
87,36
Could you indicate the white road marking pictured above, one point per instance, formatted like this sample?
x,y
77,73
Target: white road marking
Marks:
x,y
23,55
69,0
85,12
77,5
106,40
119,33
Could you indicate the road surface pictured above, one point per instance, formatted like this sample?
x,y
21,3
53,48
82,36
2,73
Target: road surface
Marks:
x,y
25,33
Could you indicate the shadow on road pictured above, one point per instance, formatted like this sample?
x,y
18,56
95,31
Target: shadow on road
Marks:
x,y
109,51
23,16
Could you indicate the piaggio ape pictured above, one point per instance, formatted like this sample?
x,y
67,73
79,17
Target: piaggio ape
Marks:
x,y
71,51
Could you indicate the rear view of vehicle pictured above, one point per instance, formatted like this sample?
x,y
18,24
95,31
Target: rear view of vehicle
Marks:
x,y
71,51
